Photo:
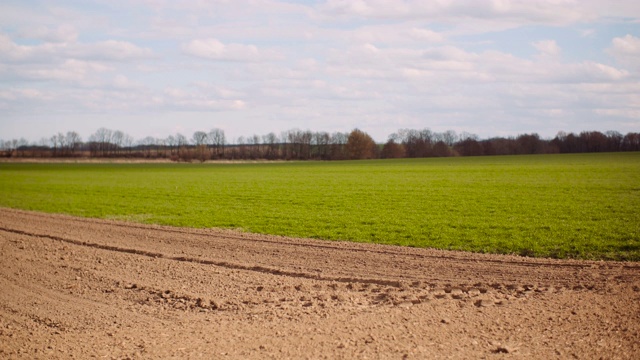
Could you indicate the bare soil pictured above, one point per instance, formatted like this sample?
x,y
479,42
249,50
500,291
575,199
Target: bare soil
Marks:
x,y
80,288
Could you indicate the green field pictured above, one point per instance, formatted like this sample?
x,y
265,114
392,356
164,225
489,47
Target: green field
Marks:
x,y
577,206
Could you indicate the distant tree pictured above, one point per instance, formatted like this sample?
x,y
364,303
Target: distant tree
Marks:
x,y
100,142
148,145
254,147
181,145
321,143
529,144
631,142
4,148
469,146
54,146
339,146
181,140
73,141
21,146
217,139
360,145
117,139
392,150
298,144
241,148
614,140
417,143
271,142
566,143
127,142
449,137
441,149
593,141
199,138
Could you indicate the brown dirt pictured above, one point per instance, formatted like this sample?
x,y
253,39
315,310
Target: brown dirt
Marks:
x,y
80,288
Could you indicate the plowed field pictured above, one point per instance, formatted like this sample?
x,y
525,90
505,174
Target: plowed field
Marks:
x,y
80,288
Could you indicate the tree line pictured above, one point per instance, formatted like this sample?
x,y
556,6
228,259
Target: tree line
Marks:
x,y
298,144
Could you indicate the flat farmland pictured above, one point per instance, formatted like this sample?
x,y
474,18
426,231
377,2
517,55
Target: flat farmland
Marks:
x,y
562,206
124,287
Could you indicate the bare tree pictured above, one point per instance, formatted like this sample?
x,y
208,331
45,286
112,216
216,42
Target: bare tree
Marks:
x,y
441,149
73,141
101,142
631,142
242,149
271,141
217,139
417,143
172,143
181,140
117,138
254,146
449,137
614,140
528,144
339,145
54,145
148,145
199,138
392,150
320,142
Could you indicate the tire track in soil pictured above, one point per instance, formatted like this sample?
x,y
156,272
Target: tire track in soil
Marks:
x,y
459,290
248,237
414,292
87,287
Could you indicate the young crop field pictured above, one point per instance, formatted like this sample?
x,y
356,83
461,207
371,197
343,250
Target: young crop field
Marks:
x,y
564,206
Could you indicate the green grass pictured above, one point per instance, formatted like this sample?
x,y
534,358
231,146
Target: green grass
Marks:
x,y
577,206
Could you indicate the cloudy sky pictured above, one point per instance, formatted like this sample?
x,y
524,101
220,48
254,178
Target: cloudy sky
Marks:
x,y
158,67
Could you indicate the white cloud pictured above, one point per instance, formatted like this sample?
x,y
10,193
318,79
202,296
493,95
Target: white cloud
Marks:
x,y
111,50
57,34
214,49
123,82
218,91
12,52
180,99
396,35
507,12
626,50
23,93
626,113
426,35
69,70
587,32
547,47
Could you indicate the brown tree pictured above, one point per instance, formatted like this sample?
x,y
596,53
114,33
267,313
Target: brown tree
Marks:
x,y
360,145
392,150
441,149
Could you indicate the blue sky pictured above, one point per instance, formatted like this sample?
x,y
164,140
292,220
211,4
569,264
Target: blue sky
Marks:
x,y
159,67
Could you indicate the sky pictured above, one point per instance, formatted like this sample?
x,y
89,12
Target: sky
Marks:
x,y
161,67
